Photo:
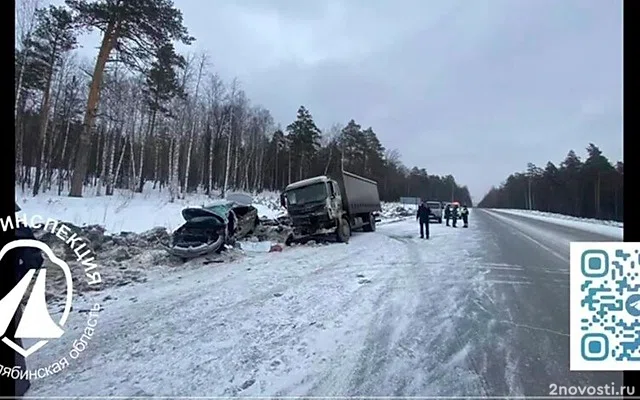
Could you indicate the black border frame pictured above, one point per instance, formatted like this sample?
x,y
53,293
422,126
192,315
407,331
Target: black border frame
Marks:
x,y
7,181
631,379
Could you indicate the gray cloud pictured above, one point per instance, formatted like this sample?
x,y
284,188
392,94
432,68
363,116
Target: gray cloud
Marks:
x,y
475,88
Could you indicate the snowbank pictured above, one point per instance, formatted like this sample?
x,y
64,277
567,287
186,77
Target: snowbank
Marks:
x,y
394,211
126,211
606,228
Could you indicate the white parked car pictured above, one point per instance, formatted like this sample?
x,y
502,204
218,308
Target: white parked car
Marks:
x,y
436,210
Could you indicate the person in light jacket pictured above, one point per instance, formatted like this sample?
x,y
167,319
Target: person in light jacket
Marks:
x,y
455,214
464,213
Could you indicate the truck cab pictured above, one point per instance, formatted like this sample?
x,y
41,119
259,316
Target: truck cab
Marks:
x,y
313,204
322,205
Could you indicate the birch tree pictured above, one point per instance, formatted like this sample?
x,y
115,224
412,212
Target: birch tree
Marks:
x,y
134,29
53,37
194,115
116,123
216,121
25,17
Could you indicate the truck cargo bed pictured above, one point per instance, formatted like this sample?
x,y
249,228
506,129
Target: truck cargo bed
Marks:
x,y
360,195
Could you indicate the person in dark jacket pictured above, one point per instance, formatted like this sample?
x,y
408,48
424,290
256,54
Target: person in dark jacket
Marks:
x,y
454,215
447,213
26,258
464,213
424,211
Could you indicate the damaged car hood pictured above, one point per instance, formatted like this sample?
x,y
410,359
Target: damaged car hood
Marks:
x,y
218,211
207,228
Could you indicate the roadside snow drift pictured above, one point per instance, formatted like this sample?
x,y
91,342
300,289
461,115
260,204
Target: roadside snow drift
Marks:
x,y
606,228
129,212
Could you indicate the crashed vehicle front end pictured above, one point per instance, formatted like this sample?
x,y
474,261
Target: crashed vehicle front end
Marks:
x,y
312,220
311,211
208,229
204,232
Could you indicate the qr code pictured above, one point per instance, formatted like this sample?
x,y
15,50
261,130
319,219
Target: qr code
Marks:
x,y
605,306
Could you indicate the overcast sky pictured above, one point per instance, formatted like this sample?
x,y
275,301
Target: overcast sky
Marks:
x,y
474,88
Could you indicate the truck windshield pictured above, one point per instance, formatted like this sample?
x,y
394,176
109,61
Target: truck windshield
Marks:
x,y
433,204
307,194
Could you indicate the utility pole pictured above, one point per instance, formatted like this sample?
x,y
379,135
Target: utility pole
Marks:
x,y
453,190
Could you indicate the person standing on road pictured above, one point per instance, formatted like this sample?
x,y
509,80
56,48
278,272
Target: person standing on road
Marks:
x,y
447,213
424,211
464,213
454,215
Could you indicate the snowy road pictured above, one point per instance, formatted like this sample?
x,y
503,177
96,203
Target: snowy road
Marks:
x,y
478,311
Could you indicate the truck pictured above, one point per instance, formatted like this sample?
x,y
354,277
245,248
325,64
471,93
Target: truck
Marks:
x,y
331,206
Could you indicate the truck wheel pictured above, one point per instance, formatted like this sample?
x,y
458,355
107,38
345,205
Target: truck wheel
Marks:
x,y
343,231
370,226
289,241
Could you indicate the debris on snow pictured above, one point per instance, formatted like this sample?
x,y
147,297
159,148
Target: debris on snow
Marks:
x,y
277,233
399,212
247,384
255,246
123,257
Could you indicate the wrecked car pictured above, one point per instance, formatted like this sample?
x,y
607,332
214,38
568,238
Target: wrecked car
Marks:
x,y
207,229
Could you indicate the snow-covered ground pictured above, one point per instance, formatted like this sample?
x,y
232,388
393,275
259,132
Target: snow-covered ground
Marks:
x,y
606,228
307,320
386,314
127,211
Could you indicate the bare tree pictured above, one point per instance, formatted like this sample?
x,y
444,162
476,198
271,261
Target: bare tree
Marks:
x,y
136,114
25,17
216,121
134,30
194,116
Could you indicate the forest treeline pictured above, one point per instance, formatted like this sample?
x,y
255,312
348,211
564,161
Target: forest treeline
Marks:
x,y
592,188
141,112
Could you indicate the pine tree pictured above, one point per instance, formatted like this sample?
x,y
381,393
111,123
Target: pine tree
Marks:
x,y
135,30
305,138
